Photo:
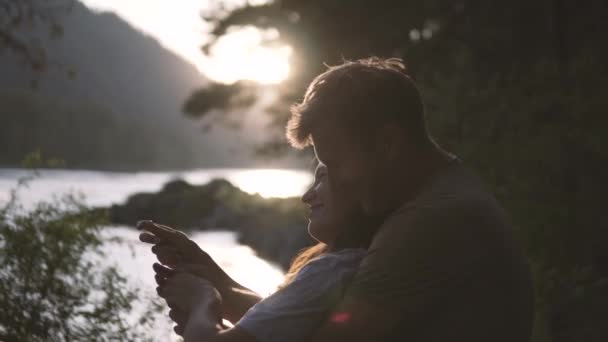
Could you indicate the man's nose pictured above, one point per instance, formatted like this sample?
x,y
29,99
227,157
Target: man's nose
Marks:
x,y
308,196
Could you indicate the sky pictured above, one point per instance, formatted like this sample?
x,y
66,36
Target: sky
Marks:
x,y
177,25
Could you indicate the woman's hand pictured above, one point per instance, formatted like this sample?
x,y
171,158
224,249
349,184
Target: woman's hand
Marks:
x,y
187,292
192,300
172,247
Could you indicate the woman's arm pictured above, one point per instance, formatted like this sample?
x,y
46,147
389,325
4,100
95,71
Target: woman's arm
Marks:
x,y
174,249
291,314
204,303
296,311
203,327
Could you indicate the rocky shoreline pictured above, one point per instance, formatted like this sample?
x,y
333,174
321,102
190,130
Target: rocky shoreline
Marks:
x,y
274,227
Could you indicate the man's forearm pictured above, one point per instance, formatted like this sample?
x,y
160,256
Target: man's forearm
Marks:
x,y
237,299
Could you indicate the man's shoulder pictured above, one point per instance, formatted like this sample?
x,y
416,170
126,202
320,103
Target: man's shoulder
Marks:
x,y
450,228
456,201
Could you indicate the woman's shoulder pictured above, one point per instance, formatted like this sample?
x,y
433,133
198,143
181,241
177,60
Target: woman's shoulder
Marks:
x,y
297,309
345,255
341,262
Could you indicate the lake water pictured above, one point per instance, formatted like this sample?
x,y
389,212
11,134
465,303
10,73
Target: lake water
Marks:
x,y
104,188
134,258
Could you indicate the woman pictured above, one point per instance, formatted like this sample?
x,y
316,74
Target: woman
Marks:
x,y
313,285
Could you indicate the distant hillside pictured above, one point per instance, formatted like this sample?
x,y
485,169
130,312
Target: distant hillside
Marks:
x,y
121,111
84,134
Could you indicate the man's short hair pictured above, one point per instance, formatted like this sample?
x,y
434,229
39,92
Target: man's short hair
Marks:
x,y
360,96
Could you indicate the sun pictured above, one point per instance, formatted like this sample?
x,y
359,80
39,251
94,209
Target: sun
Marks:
x,y
272,182
239,55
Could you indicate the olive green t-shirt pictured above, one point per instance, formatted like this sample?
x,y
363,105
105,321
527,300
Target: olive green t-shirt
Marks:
x,y
447,267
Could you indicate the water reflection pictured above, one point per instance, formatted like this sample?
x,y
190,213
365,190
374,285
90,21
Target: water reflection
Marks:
x,y
105,188
240,262
134,259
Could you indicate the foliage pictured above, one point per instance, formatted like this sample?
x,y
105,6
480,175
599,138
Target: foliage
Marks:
x,y
515,88
17,16
52,284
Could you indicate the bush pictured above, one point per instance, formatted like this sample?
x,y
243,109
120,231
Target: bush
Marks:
x,y
51,287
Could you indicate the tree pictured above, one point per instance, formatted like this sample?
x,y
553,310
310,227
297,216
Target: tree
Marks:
x,y
51,287
516,88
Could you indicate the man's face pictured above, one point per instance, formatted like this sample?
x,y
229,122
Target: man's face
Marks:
x,y
352,169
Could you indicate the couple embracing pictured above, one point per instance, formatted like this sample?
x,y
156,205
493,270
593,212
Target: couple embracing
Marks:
x,y
411,247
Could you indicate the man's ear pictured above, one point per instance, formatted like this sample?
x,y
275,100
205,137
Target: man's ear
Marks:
x,y
389,142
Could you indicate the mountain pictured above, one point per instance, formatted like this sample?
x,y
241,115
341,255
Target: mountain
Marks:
x,y
120,111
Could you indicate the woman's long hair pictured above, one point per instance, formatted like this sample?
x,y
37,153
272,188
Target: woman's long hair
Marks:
x,y
356,237
303,258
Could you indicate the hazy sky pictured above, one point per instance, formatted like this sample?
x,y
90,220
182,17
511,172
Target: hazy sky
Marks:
x,y
178,26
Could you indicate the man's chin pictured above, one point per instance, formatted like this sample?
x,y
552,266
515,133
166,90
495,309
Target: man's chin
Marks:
x,y
316,234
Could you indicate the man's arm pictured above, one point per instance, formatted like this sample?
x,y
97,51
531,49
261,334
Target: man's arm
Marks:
x,y
172,248
416,265
239,300
294,312
206,332
199,304
355,322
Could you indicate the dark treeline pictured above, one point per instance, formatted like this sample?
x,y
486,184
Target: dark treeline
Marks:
x,y
515,88
85,135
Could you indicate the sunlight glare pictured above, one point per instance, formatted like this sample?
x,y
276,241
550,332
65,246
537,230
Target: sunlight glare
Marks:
x,y
273,182
239,55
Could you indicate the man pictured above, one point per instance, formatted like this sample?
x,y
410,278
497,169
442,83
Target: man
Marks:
x,y
444,264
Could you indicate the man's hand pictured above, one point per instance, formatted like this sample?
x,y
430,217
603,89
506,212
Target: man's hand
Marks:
x,y
185,294
164,274
172,247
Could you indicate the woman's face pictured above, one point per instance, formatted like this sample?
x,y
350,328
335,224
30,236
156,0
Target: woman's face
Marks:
x,y
329,214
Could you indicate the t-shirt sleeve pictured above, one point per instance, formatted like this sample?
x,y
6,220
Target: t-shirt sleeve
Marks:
x,y
294,312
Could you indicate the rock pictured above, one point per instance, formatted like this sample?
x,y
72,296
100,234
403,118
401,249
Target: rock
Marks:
x,y
275,228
